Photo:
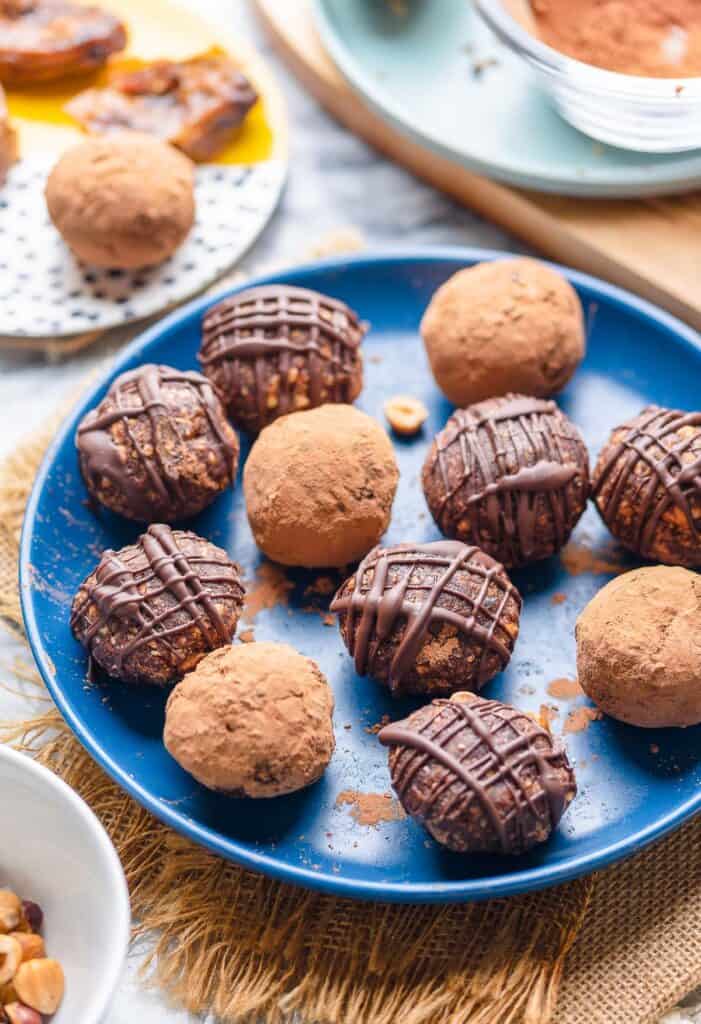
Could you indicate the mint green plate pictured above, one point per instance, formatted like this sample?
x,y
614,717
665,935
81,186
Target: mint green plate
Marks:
x,y
417,69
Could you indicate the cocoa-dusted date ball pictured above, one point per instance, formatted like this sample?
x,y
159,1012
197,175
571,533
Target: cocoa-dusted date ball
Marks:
x,y
429,618
276,349
510,475
158,447
503,326
252,720
151,611
639,647
319,486
647,485
481,776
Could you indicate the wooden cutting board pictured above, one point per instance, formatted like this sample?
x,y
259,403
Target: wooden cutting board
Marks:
x,y
651,246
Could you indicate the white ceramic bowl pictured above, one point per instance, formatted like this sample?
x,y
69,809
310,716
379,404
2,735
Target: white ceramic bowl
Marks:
x,y
53,850
653,115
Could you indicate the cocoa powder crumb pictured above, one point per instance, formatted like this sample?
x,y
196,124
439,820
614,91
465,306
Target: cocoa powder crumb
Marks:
x,y
247,636
581,718
328,620
322,585
577,559
374,729
370,808
480,66
558,598
564,689
271,588
546,716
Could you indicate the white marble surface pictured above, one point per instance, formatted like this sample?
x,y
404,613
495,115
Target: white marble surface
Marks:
x,y
335,181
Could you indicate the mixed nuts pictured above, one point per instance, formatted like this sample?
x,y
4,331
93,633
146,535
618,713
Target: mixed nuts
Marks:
x,y
31,984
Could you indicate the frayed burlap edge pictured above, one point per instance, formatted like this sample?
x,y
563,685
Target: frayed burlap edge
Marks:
x,y
249,949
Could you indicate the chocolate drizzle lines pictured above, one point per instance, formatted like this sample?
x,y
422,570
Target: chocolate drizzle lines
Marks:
x,y
280,322
653,441
508,497
373,615
127,589
133,395
492,753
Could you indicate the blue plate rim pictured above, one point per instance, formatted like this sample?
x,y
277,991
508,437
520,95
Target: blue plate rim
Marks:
x,y
483,888
686,178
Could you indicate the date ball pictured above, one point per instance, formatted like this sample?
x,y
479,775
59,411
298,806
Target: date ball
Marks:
x,y
510,475
429,618
647,485
123,201
319,486
151,611
481,776
252,720
511,325
639,647
158,447
276,349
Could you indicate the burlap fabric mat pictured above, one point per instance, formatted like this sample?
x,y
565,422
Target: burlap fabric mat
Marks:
x,y
618,948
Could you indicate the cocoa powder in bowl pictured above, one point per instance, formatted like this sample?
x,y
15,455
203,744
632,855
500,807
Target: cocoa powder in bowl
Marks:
x,y
653,38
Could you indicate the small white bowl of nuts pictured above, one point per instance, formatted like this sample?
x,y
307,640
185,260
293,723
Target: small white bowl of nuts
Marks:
x,y
64,905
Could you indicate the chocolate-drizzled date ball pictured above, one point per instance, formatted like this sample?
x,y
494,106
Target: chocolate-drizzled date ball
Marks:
x,y
158,447
151,611
276,349
429,618
510,475
647,485
480,776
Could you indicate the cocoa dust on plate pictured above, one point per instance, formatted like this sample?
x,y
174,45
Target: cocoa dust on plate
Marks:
x,y
564,689
370,808
577,559
581,718
546,716
322,585
376,726
270,588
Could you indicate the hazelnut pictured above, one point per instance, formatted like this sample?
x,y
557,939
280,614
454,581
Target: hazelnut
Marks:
x,y
405,414
33,914
40,984
32,945
10,911
10,958
18,1013
7,995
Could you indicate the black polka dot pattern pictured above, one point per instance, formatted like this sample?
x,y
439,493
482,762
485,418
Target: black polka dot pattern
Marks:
x,y
234,203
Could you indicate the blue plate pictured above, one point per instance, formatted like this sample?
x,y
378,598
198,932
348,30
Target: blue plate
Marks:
x,y
634,784
417,70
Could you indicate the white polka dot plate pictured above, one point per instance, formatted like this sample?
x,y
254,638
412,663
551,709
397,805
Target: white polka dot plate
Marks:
x,y
46,292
